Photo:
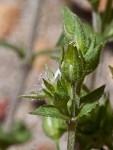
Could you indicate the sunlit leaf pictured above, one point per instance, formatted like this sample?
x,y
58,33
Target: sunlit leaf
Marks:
x,y
50,111
49,86
87,109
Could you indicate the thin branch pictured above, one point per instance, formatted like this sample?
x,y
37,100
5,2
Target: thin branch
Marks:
x,y
27,67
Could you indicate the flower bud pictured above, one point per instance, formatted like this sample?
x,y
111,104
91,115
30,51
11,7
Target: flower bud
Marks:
x,y
53,128
73,65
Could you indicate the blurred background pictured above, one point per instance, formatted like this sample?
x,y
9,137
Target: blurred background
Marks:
x,y
28,26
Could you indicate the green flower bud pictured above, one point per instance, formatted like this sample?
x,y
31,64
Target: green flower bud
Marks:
x,y
73,64
53,128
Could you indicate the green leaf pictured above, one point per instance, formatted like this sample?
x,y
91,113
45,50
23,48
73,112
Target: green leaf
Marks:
x,y
48,93
93,42
50,111
78,65
65,69
64,83
73,65
79,86
80,36
92,58
89,31
49,86
61,100
61,88
18,50
111,70
86,109
73,30
69,54
68,22
53,127
35,96
93,96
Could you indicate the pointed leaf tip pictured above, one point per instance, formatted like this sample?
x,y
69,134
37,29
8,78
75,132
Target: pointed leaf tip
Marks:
x,y
50,111
93,96
87,109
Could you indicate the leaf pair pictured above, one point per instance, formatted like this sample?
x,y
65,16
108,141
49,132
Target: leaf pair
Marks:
x,y
91,100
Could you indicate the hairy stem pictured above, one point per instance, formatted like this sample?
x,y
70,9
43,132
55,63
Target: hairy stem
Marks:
x,y
73,101
71,136
71,124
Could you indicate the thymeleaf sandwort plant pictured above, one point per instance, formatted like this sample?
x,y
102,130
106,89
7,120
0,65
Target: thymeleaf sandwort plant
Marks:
x,y
63,91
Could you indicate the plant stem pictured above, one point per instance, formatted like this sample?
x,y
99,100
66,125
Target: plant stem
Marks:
x,y
57,144
73,101
71,136
71,124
